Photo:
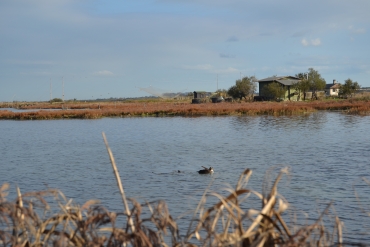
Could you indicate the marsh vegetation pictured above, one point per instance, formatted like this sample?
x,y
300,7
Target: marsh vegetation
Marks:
x,y
94,110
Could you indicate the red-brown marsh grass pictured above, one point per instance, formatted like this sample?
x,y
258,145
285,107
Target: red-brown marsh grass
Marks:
x,y
29,220
44,114
161,108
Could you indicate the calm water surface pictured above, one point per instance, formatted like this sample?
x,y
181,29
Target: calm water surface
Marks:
x,y
327,153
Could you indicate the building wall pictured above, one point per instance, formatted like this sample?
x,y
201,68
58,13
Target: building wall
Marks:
x,y
199,95
288,93
261,90
333,92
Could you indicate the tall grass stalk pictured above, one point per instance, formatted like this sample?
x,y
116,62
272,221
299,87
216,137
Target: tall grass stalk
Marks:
x,y
119,183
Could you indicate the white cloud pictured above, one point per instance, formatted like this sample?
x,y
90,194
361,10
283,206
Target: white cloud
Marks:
x,y
357,30
316,42
103,73
312,42
304,42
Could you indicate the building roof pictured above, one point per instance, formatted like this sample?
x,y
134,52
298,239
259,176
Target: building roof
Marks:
x,y
332,86
285,80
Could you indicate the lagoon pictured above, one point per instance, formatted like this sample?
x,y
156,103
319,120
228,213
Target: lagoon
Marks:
x,y
328,154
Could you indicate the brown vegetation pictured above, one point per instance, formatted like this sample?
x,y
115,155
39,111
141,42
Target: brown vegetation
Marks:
x,y
159,108
28,221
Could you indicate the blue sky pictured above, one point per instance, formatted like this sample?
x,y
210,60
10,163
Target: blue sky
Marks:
x,y
102,49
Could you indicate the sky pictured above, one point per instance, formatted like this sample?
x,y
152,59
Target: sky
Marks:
x,y
90,49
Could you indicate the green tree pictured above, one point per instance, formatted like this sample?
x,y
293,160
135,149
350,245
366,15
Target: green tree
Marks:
x,y
222,92
56,100
243,88
349,88
302,86
275,90
316,82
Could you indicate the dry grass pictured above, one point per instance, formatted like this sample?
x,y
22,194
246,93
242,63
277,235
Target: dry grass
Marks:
x,y
30,221
121,109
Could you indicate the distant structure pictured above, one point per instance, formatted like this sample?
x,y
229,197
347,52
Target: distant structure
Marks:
x,y
200,97
161,93
200,94
364,89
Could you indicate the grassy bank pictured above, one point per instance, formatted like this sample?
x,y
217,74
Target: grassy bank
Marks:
x,y
181,108
27,221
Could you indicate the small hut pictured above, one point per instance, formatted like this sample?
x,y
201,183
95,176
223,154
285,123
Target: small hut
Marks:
x,y
200,94
199,97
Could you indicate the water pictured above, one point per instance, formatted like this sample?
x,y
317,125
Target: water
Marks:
x,y
26,110
328,153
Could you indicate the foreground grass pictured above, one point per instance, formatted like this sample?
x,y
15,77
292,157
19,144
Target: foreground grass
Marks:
x,y
26,221
123,109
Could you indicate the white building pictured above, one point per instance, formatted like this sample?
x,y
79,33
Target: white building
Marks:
x,y
332,89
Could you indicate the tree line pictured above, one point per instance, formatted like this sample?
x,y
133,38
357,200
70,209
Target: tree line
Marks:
x,y
310,81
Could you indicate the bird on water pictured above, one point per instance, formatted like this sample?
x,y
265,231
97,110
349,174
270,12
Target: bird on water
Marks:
x,y
206,170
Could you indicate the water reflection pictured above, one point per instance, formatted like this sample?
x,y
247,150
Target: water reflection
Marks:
x,y
314,120
241,122
352,120
266,123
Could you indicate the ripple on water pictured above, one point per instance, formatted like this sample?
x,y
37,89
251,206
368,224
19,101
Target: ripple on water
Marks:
x,y
328,154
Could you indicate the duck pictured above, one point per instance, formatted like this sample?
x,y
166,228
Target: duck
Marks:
x,y
206,170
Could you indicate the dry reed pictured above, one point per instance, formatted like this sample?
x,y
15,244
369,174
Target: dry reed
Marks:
x,y
30,221
121,109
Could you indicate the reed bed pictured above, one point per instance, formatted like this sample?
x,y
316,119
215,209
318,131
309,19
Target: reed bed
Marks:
x,y
121,109
30,220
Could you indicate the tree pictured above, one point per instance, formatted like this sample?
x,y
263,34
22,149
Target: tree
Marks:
x,y
56,100
302,86
243,88
349,88
221,92
275,90
315,81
